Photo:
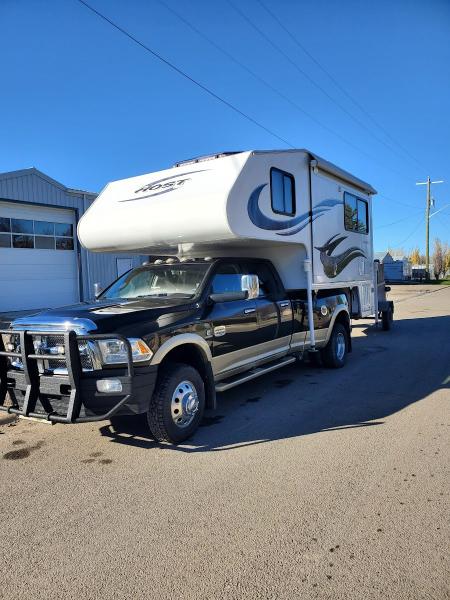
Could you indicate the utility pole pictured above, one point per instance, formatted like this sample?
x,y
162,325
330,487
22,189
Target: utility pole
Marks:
x,y
428,183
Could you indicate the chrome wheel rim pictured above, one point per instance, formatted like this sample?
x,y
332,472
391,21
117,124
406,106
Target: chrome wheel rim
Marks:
x,y
340,346
185,404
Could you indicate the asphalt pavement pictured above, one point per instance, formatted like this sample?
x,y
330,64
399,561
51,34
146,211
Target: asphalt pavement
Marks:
x,y
305,483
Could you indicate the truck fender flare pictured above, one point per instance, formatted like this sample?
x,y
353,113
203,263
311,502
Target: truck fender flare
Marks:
x,y
184,339
339,309
181,340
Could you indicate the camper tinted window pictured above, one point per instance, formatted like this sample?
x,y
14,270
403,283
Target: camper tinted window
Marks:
x,y
350,212
355,214
282,191
362,216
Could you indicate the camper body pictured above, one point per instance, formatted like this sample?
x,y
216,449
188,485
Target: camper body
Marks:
x,y
234,205
270,257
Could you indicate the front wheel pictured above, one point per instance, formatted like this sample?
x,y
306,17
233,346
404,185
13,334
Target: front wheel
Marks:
x,y
177,405
334,355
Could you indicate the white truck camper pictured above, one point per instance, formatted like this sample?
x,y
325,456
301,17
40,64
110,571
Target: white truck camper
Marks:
x,y
309,217
259,259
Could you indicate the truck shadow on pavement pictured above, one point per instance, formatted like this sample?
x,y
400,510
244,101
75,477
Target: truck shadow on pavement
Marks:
x,y
385,373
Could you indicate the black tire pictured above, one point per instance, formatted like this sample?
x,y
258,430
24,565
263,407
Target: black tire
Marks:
x,y
159,413
332,356
386,319
315,359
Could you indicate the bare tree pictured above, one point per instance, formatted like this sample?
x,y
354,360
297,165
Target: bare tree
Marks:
x,y
438,259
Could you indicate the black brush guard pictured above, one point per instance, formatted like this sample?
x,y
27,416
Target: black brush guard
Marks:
x,y
71,356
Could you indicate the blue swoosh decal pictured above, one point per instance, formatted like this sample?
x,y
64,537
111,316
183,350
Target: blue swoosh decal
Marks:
x,y
258,218
297,229
322,208
294,225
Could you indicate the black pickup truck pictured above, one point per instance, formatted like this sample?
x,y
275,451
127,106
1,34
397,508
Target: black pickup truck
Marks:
x,y
162,340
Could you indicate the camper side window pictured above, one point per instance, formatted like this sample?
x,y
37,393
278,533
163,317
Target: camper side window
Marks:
x,y
355,214
282,192
363,226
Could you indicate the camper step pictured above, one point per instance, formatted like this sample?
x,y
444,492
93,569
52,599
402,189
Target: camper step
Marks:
x,y
256,372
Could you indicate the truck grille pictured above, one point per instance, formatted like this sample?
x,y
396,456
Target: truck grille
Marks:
x,y
48,344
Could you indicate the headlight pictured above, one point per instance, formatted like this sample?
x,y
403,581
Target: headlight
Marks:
x,y
114,351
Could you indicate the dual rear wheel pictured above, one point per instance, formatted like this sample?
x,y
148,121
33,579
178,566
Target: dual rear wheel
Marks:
x,y
387,316
334,355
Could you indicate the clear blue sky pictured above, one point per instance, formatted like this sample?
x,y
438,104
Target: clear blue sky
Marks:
x,y
84,104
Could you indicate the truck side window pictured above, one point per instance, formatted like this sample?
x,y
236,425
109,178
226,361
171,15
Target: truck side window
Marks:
x,y
227,279
267,283
282,192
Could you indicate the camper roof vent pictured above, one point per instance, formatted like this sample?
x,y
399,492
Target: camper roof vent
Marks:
x,y
198,159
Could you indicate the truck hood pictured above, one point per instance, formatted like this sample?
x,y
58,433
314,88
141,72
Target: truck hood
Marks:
x,y
128,317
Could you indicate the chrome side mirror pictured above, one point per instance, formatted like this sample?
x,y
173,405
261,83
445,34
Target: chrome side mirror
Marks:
x,y
97,290
250,284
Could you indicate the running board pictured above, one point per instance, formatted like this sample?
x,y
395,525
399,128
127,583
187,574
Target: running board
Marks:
x,y
253,374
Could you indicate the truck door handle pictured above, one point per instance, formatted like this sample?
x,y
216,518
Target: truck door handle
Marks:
x,y
247,311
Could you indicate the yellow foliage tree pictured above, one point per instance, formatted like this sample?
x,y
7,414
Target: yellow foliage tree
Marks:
x,y
414,256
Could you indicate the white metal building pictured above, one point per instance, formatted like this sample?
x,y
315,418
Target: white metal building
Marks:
x,y
41,262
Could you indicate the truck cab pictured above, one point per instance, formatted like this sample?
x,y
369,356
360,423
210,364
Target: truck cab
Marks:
x,y
161,341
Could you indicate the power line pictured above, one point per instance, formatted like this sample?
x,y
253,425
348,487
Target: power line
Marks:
x,y
336,82
307,76
398,202
395,222
446,218
183,74
268,84
411,234
273,88
213,94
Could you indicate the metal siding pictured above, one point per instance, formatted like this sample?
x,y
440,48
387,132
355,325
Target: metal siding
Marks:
x,y
393,271
32,188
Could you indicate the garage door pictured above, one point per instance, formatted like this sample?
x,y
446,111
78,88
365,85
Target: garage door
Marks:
x,y
38,257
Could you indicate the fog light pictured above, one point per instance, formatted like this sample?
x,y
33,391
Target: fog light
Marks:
x,y
57,350
109,385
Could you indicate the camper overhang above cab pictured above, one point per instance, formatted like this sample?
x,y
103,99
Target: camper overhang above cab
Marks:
x,y
232,199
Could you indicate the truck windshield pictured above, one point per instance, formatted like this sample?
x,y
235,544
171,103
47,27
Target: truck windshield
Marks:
x,y
176,280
